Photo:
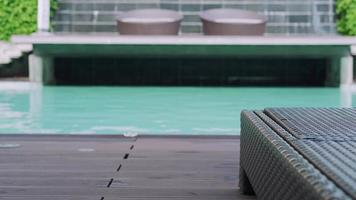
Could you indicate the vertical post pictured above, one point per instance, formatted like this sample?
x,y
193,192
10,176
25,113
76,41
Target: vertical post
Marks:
x,y
346,70
340,71
35,68
43,16
41,69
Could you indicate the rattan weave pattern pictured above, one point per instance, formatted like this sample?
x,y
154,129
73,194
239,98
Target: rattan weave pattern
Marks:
x,y
316,123
274,168
327,139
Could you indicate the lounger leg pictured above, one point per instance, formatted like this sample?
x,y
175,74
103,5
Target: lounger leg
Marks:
x,y
41,69
244,183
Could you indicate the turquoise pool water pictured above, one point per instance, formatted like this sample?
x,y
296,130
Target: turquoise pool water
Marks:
x,y
27,108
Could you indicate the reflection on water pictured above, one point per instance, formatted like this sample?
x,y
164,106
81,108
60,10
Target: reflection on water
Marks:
x,y
32,108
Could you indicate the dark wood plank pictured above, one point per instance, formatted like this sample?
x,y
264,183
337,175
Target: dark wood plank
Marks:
x,y
50,197
179,165
119,192
55,182
8,174
187,144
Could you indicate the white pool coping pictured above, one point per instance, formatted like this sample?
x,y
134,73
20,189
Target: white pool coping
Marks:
x,y
184,40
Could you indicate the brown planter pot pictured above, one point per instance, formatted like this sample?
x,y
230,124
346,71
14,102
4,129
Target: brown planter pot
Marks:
x,y
149,22
232,22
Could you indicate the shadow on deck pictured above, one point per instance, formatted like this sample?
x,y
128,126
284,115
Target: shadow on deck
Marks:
x,y
113,167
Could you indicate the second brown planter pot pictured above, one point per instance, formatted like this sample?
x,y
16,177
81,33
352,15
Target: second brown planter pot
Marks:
x,y
232,22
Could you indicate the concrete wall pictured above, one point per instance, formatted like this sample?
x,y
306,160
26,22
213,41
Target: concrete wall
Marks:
x,y
287,17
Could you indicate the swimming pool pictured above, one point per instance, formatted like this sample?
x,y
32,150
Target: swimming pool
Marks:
x,y
31,108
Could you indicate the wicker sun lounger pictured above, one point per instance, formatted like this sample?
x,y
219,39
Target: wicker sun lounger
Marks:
x,y
296,153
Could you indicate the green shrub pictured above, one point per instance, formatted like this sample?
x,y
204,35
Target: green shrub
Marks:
x,y
18,17
346,13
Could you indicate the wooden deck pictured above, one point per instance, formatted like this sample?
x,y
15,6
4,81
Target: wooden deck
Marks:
x,y
114,167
